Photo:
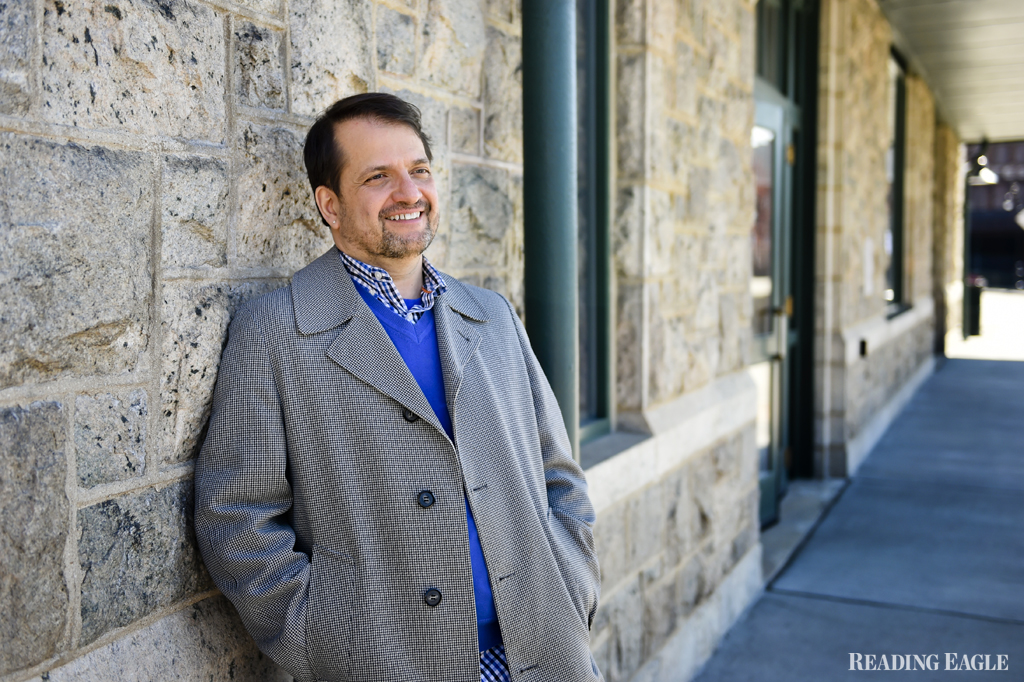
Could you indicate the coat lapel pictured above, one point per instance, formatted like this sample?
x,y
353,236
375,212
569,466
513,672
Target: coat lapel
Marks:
x,y
325,297
456,314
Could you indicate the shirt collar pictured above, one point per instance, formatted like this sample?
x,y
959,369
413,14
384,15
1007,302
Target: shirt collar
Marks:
x,y
381,286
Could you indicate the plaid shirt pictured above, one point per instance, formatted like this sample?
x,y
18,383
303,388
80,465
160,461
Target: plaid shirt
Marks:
x,y
380,285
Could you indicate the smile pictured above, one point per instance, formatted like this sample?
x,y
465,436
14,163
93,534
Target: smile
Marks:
x,y
405,216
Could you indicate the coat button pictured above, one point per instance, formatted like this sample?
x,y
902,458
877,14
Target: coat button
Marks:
x,y
432,597
409,415
425,498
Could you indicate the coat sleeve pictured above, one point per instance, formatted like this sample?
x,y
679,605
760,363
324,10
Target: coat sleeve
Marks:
x,y
243,498
571,513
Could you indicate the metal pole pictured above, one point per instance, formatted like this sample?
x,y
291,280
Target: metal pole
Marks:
x,y
549,198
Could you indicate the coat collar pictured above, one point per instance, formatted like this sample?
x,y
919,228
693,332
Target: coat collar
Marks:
x,y
324,297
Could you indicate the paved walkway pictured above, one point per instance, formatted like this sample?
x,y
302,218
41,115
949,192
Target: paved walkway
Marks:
x,y
922,554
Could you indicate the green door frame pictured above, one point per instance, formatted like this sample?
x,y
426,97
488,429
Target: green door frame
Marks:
x,y
778,114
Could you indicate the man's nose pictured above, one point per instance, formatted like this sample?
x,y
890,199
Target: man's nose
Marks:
x,y
406,192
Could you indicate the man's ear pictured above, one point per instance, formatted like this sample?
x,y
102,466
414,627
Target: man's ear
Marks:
x,y
330,206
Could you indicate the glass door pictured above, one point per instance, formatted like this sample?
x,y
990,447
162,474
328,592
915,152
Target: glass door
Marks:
x,y
770,244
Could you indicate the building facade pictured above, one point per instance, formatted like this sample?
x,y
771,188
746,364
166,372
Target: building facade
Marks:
x,y
770,298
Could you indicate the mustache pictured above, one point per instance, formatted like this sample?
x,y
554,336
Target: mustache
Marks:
x,y
397,210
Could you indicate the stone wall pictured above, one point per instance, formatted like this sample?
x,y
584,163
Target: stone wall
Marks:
x,y
152,181
919,191
947,258
677,530
865,355
685,201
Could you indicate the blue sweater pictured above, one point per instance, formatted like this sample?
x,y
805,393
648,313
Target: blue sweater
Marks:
x,y
417,344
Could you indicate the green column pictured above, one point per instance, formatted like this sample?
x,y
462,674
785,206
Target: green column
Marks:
x,y
549,197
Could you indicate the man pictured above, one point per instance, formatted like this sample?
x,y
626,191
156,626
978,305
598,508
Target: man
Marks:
x,y
386,491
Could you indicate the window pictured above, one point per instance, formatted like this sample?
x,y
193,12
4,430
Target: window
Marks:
x,y
592,54
894,165
771,42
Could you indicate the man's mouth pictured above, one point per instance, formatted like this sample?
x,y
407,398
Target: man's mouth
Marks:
x,y
405,216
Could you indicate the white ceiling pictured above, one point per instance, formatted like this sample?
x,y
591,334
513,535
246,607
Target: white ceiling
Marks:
x,y
971,53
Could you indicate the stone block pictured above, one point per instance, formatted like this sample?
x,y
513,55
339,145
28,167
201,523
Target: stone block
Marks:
x,y
481,218
623,612
671,153
205,641
503,97
630,22
110,436
610,545
663,22
627,232
629,332
668,603
75,279
680,530
701,477
723,55
16,38
396,42
465,131
748,42
138,554
732,332
709,132
747,534
194,212
706,316
278,224
502,10
259,71
195,322
454,41
331,56
143,67
661,234
35,510
630,116
271,7
685,80
670,357
645,530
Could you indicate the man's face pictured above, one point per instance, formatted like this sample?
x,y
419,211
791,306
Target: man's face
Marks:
x,y
387,206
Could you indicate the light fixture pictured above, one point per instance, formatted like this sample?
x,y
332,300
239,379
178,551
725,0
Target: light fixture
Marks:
x,y
979,173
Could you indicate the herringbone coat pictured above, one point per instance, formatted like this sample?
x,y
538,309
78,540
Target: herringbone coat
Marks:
x,y
319,444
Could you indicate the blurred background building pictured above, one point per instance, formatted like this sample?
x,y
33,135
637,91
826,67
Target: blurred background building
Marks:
x,y
766,240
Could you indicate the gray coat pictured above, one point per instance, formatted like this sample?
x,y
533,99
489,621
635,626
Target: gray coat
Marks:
x,y
306,492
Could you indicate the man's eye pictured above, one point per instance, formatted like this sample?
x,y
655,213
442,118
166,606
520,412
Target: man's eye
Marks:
x,y
378,176
422,171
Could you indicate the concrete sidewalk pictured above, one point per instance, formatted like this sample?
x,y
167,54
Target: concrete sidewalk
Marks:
x,y
922,554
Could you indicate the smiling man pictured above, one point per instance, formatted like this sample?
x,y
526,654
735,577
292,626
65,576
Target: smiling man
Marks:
x,y
386,492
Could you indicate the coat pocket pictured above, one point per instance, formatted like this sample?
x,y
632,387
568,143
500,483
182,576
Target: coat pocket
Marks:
x,y
565,553
329,614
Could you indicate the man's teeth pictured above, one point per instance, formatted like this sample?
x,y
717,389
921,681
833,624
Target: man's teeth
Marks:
x,y
405,216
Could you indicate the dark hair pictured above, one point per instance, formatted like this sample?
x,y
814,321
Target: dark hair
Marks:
x,y
323,154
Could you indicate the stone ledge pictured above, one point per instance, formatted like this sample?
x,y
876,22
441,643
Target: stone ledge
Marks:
x,y
679,429
878,331
858,447
699,635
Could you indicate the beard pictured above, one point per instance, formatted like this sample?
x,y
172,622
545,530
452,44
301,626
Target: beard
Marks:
x,y
393,245
390,244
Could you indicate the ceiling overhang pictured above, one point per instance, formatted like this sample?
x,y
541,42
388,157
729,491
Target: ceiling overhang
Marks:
x,y
971,53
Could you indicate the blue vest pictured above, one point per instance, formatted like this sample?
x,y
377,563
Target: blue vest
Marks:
x,y
417,344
